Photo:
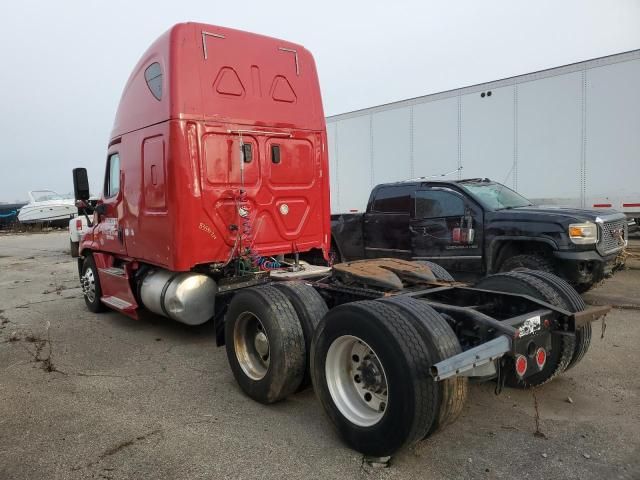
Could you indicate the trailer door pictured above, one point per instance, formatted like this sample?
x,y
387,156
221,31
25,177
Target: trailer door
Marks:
x,y
447,229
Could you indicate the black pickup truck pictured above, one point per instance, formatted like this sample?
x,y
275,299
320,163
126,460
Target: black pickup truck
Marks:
x,y
475,227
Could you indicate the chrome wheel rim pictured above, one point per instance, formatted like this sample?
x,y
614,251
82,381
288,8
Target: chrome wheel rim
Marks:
x,y
357,381
88,283
251,345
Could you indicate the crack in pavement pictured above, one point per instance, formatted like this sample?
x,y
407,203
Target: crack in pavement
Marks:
x,y
119,447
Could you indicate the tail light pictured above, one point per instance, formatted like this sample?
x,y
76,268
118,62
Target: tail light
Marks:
x,y
541,357
78,224
521,365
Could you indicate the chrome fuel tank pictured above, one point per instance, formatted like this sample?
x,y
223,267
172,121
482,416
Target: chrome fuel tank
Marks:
x,y
186,297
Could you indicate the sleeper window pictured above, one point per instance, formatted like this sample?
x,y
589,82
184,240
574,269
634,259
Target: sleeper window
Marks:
x,y
153,77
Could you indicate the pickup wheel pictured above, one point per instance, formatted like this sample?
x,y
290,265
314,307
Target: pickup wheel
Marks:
x,y
74,248
443,342
264,343
562,346
532,261
369,366
440,272
310,308
574,303
90,283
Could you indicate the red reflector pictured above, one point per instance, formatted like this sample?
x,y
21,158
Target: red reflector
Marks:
x,y
631,204
601,205
78,224
521,365
541,357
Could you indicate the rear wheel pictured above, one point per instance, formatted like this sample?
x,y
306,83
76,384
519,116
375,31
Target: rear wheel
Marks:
x,y
440,273
562,346
90,283
264,343
574,303
443,342
310,308
369,367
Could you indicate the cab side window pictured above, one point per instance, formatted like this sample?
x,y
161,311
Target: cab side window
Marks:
x,y
112,182
392,200
438,204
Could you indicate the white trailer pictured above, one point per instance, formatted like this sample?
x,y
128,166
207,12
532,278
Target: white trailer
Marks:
x,y
568,135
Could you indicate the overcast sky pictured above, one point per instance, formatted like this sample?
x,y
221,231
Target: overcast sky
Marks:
x,y
65,62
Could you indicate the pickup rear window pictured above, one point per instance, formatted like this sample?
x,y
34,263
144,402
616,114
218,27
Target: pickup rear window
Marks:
x,y
392,199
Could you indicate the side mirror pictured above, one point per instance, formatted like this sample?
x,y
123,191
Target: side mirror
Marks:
x,y
80,184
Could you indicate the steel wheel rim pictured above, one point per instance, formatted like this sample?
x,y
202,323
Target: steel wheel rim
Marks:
x,y
89,285
251,345
356,381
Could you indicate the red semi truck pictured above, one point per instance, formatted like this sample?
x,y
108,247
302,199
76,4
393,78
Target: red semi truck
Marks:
x,y
216,189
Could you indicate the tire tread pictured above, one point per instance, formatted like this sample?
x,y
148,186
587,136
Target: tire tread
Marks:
x,y
310,308
526,261
439,271
453,391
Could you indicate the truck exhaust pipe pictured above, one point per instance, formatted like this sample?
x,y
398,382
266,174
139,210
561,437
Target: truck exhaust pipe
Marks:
x,y
186,297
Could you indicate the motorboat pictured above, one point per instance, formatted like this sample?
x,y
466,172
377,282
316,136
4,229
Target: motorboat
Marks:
x,y
46,206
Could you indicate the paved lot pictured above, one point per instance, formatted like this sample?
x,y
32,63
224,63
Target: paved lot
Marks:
x,y
103,396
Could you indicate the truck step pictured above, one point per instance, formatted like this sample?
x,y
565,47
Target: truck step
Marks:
x,y
117,303
118,272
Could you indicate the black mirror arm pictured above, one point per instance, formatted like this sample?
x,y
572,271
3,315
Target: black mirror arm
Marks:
x,y
101,209
86,215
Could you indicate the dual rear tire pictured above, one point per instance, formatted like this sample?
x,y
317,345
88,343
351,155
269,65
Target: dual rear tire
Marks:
x,y
268,333
370,364
369,361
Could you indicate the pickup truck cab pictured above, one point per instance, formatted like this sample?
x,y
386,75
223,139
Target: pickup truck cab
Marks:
x,y
476,227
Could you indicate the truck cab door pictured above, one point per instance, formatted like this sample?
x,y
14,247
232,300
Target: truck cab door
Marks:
x,y
109,231
446,228
386,223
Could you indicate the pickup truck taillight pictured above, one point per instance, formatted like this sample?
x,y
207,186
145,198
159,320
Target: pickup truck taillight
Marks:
x,y
78,224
